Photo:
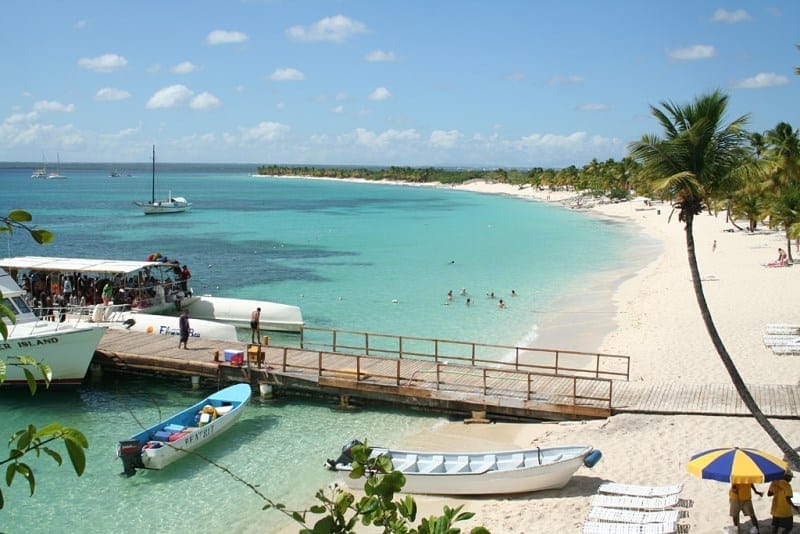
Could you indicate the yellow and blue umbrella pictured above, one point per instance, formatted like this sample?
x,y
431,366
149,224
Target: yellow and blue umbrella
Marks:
x,y
737,466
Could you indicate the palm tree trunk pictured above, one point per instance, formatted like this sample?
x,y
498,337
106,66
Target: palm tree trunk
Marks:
x,y
741,388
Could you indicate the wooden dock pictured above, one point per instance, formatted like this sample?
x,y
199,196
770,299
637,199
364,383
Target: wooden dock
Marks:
x,y
434,382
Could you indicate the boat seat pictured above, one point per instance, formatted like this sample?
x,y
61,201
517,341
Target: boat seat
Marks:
x,y
434,465
515,461
457,465
487,463
407,464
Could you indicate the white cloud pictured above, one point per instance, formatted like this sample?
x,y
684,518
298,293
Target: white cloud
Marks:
x,y
730,17
337,109
761,80
184,67
81,24
552,141
50,105
445,139
380,55
692,53
515,76
225,36
381,93
572,79
104,63
369,138
336,29
204,101
284,75
111,93
17,118
265,131
594,107
169,97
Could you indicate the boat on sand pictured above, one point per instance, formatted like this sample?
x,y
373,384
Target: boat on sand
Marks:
x,y
478,473
173,438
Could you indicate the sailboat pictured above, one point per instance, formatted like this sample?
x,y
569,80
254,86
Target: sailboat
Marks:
x,y
57,174
41,172
168,205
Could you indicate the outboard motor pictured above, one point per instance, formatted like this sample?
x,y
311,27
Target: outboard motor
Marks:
x,y
130,452
344,458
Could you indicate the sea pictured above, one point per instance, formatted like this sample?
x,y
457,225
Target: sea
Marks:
x,y
367,257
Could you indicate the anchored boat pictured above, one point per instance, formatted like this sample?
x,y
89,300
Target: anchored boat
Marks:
x,y
171,439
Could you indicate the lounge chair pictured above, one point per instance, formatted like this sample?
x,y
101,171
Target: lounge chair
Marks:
x,y
635,503
619,515
772,340
640,491
782,329
590,527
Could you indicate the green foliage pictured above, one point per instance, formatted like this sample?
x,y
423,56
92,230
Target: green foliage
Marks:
x,y
20,219
341,512
30,439
37,441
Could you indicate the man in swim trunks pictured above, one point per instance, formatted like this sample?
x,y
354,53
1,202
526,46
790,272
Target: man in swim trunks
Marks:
x,y
255,328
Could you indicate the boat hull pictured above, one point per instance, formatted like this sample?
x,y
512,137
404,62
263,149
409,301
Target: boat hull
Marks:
x,y
482,473
274,316
162,444
67,350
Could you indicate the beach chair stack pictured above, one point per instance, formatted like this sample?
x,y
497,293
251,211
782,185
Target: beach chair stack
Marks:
x,y
783,338
632,509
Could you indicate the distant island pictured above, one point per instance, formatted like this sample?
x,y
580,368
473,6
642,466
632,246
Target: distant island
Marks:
x,y
612,178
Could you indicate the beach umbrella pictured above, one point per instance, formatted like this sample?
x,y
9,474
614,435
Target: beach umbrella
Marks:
x,y
737,466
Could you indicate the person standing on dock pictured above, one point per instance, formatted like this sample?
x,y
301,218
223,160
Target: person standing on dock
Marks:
x,y
255,325
184,326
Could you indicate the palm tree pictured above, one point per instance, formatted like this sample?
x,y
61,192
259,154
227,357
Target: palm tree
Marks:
x,y
691,165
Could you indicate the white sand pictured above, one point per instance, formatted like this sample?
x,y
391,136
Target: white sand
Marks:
x,y
658,325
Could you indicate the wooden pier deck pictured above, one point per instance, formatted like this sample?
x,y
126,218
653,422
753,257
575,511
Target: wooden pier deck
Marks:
x,y
434,384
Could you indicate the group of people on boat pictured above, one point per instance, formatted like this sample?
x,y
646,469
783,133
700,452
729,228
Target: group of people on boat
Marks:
x,y
51,294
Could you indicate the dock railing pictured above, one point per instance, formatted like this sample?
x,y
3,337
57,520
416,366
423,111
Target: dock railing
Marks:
x,y
551,362
509,387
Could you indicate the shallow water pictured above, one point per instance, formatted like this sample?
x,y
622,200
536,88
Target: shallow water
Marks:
x,y
366,257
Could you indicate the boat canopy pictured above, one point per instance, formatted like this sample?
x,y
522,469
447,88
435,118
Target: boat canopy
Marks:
x,y
84,265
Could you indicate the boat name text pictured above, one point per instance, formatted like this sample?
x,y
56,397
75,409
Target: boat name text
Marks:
x,y
26,344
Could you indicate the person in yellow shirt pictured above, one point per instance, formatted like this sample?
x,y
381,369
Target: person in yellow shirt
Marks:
x,y
782,505
742,502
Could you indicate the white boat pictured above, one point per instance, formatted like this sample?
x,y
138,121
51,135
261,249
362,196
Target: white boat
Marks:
x,y
152,294
42,171
275,317
66,348
478,473
56,175
171,439
168,205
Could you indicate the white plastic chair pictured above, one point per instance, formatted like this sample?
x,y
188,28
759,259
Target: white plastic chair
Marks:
x,y
591,527
635,503
640,491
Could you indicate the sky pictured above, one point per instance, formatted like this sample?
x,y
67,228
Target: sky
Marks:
x,y
512,84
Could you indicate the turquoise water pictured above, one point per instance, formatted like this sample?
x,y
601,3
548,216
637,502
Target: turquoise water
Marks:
x,y
367,257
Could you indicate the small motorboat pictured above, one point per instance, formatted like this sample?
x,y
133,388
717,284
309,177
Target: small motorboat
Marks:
x,y
172,438
478,473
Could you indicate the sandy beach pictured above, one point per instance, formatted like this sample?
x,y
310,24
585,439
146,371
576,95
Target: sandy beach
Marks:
x,y
657,323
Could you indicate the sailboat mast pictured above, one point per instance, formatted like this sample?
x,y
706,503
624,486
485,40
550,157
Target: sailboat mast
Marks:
x,y
153,200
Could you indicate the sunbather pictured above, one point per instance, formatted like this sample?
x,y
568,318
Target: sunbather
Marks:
x,y
781,261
